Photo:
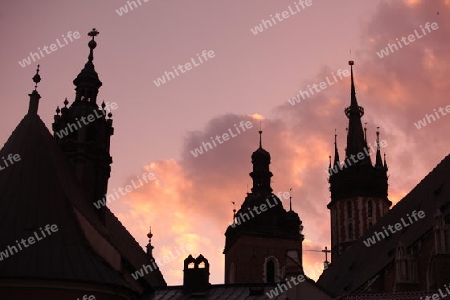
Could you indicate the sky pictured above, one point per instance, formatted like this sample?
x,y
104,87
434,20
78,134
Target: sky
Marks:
x,y
247,77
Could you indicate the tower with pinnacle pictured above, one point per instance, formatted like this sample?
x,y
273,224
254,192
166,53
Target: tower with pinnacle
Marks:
x,y
359,189
264,238
83,131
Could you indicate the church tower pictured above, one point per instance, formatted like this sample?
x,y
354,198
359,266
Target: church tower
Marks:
x,y
83,131
264,242
359,190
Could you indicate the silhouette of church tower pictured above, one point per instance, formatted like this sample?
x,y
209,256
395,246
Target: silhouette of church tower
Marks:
x,y
264,238
359,189
87,142
54,184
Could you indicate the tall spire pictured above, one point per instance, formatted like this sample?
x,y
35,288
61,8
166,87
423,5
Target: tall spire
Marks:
x,y
336,152
353,92
87,82
356,142
34,96
378,162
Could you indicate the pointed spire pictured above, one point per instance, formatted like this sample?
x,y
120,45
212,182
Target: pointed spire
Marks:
x,y
356,140
336,152
385,163
290,199
353,92
378,161
34,96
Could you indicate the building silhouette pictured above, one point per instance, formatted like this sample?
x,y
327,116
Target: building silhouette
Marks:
x,y
48,189
370,258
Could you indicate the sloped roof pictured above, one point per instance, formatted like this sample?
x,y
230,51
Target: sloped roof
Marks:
x,y
216,292
129,247
36,191
356,266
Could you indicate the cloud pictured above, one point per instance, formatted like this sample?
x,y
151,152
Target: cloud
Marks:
x,y
190,201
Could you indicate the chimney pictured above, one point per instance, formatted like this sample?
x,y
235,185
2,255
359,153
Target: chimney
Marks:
x,y
196,274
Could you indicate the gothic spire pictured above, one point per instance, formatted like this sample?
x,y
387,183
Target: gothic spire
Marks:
x,y
336,152
378,161
356,142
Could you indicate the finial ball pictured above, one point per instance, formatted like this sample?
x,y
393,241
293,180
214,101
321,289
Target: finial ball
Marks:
x,y
351,62
92,44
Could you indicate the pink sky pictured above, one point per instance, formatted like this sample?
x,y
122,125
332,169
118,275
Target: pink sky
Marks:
x,y
250,76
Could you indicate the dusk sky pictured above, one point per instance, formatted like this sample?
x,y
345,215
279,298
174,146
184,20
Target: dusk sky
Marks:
x,y
248,77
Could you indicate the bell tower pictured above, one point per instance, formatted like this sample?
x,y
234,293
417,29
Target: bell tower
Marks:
x,y
359,190
83,131
263,237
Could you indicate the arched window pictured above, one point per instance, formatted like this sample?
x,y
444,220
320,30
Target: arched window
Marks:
x,y
369,208
349,209
350,231
270,272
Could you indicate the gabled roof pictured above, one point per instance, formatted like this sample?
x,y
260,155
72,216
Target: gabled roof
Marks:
x,y
356,266
41,189
36,191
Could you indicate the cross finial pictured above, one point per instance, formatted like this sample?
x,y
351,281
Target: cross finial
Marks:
x,y
93,33
326,251
92,43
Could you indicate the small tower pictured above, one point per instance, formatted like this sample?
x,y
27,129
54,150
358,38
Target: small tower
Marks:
x,y
359,190
262,231
83,131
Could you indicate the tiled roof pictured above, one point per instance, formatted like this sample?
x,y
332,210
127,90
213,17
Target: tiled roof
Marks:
x,y
217,292
356,266
40,189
